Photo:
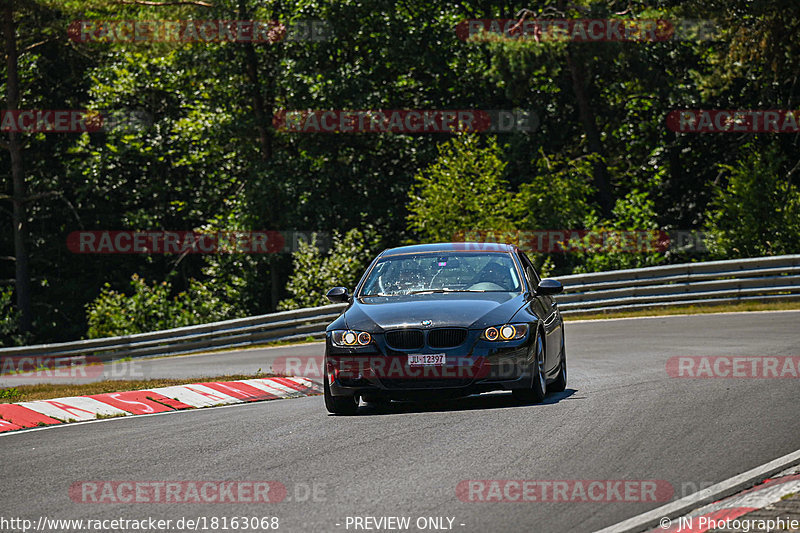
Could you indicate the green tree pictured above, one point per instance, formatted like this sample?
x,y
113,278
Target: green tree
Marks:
x,y
630,239
10,334
316,272
756,211
463,190
152,308
558,195
212,160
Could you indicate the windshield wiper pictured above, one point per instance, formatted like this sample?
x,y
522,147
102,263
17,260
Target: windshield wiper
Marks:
x,y
429,291
432,291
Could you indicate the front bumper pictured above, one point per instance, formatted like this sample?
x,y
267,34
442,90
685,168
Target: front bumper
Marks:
x,y
475,366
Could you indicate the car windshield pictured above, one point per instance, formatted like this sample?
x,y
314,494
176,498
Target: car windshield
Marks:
x,y
442,272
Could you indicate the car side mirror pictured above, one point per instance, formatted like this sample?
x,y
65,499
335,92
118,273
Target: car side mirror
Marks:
x,y
338,295
549,286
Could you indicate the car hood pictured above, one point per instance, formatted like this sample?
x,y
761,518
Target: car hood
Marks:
x,y
474,310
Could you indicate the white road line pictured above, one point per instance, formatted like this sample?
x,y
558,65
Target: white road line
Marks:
x,y
708,495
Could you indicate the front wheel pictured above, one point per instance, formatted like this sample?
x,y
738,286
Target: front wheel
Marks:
x,y
339,405
535,393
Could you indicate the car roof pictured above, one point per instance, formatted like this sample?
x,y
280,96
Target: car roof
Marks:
x,y
451,247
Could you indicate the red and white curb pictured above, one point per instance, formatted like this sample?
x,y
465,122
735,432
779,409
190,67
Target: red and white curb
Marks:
x,y
22,415
732,498
760,496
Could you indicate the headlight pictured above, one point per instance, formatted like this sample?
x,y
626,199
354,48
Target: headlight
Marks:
x,y
506,332
348,338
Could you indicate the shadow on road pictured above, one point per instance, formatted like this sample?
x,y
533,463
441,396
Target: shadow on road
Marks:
x,y
469,403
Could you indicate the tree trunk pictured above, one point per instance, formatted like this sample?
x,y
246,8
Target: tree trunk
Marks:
x,y
589,121
263,120
19,218
577,72
263,109
259,107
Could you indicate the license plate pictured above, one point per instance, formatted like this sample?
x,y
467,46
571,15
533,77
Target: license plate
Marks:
x,y
426,359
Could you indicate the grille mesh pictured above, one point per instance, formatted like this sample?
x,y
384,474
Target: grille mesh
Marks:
x,y
446,337
404,338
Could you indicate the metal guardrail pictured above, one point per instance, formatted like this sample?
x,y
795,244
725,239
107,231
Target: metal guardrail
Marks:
x,y
283,326
767,278
764,278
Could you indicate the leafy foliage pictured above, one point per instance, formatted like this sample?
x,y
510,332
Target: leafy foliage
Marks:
x,y
601,158
9,320
637,248
152,308
557,195
462,190
756,212
316,272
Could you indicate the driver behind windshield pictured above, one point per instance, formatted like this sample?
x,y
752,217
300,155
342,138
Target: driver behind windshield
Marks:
x,y
496,274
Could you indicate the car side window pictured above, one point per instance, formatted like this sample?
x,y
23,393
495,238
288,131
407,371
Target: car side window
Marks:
x,y
530,272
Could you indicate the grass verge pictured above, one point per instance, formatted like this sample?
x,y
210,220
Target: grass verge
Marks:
x,y
267,344
46,391
690,310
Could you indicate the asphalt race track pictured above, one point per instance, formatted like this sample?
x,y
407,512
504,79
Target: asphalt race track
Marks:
x,y
622,418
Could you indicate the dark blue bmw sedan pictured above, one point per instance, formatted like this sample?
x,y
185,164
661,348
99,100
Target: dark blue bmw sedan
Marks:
x,y
445,320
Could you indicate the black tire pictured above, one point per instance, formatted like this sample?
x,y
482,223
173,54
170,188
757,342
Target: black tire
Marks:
x,y
560,384
538,388
339,405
